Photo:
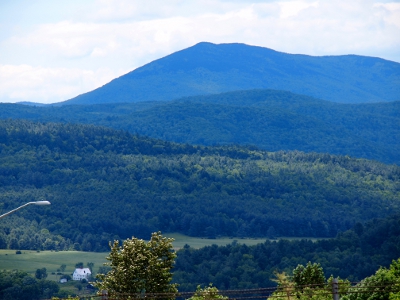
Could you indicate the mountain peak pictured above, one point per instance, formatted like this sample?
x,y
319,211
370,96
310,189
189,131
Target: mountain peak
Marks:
x,y
208,68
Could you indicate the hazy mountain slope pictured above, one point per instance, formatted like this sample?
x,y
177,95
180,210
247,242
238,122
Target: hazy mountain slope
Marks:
x,y
372,122
209,68
271,120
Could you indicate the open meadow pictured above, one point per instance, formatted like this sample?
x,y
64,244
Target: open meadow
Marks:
x,y
30,260
181,240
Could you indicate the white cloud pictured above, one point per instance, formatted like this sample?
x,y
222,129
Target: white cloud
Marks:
x,y
48,85
64,58
292,8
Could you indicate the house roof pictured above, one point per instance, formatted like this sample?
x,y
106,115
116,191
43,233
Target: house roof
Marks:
x,y
82,271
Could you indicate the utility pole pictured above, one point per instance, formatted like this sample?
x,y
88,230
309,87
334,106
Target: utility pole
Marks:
x,y
335,289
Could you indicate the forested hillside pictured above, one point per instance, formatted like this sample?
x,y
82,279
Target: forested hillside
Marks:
x,y
354,255
105,184
271,120
207,68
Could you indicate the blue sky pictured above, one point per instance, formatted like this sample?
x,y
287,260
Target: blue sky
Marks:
x,y
52,51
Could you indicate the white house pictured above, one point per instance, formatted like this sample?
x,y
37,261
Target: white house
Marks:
x,y
81,273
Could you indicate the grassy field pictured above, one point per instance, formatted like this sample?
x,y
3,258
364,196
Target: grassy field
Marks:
x,y
181,240
30,261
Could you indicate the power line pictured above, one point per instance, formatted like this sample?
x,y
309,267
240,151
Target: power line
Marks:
x,y
259,293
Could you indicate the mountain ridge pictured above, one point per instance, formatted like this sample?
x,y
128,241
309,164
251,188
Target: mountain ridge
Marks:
x,y
207,68
268,119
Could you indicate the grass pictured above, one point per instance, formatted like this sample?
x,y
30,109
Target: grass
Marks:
x,y
181,240
30,261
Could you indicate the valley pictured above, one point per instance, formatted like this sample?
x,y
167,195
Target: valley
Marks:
x,y
253,160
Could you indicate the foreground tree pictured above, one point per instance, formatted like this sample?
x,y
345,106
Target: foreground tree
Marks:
x,y
307,283
285,286
384,285
210,292
308,277
139,267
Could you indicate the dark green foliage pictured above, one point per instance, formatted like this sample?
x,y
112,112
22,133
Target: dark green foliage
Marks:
x,y
105,185
207,68
90,266
79,265
18,285
311,275
104,269
19,233
268,119
238,266
383,285
41,273
66,276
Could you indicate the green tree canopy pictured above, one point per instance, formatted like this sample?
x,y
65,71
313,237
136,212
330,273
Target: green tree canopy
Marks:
x,y
139,267
383,285
307,283
41,273
311,275
210,292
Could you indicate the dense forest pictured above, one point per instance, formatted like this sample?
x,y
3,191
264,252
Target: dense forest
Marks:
x,y
271,120
106,184
19,285
353,255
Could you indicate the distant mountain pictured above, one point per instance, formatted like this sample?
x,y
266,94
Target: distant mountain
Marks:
x,y
271,120
208,68
31,103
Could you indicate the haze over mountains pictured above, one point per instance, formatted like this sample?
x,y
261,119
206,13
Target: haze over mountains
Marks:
x,y
269,119
208,68
298,113
216,140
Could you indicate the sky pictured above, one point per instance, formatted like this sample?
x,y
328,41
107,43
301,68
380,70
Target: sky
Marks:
x,y
52,51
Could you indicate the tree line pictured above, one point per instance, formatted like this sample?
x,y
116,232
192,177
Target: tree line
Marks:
x,y
353,255
368,254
